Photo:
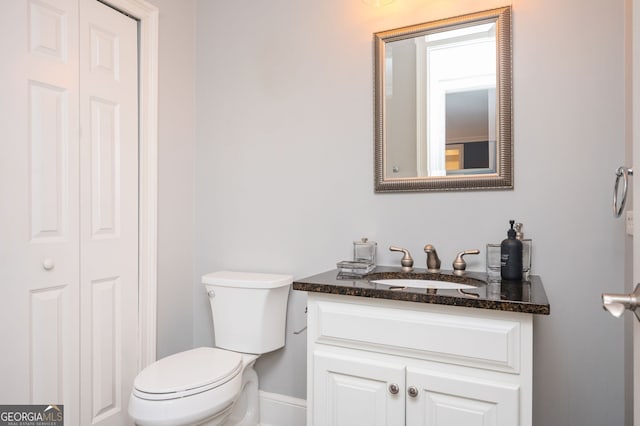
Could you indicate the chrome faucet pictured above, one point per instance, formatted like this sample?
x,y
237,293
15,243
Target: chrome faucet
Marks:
x,y
406,261
433,261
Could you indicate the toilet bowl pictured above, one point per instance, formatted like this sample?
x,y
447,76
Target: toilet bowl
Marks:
x,y
187,388
217,386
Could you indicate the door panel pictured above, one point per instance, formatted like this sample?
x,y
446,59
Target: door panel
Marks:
x,y
109,212
49,143
39,260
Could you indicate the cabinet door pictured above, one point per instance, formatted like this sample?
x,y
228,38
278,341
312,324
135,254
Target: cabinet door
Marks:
x,y
449,399
349,391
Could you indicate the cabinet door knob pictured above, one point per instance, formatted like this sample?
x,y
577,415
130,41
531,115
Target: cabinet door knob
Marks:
x,y
413,391
394,388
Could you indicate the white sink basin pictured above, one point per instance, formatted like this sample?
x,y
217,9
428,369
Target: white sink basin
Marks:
x,y
442,285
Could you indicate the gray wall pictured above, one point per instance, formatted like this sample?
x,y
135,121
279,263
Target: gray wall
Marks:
x,y
284,172
176,162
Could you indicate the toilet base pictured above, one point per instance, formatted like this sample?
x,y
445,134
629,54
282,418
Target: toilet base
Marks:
x,y
246,409
219,420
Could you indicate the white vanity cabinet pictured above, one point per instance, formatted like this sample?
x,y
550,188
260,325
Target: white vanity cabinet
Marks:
x,y
384,362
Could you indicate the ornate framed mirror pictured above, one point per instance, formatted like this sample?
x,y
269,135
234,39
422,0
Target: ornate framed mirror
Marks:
x,y
443,117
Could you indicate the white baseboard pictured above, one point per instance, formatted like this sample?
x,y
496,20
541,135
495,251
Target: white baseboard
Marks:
x,y
282,410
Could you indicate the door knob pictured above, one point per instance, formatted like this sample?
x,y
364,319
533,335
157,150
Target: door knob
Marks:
x,y
413,391
394,388
616,304
47,264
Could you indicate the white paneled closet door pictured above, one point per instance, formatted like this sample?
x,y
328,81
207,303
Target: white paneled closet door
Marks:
x,y
39,234
108,212
69,215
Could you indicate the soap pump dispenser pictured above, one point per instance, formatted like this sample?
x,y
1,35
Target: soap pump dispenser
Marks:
x,y
511,256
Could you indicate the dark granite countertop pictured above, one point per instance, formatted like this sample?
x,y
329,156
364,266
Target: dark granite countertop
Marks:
x,y
514,296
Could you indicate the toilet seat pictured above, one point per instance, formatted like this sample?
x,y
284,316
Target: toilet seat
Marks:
x,y
187,373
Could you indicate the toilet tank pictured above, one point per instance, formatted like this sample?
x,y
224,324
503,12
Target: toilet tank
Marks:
x,y
249,310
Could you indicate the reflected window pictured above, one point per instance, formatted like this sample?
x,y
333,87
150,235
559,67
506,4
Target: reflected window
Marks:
x,y
459,81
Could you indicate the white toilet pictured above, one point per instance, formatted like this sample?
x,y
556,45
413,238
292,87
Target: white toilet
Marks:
x,y
218,386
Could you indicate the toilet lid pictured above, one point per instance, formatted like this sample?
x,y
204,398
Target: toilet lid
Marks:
x,y
189,370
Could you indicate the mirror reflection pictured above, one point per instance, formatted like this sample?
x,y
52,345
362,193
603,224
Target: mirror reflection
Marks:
x,y
443,104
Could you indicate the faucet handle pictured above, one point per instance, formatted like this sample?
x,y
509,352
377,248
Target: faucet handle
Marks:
x,y
406,261
459,264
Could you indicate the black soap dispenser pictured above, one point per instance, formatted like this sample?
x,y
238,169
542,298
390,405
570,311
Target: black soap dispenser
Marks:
x,y
511,256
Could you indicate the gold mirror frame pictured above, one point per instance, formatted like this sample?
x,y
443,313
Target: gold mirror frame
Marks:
x,y
503,176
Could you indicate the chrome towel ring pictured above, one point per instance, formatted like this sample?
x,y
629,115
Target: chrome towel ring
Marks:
x,y
623,174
